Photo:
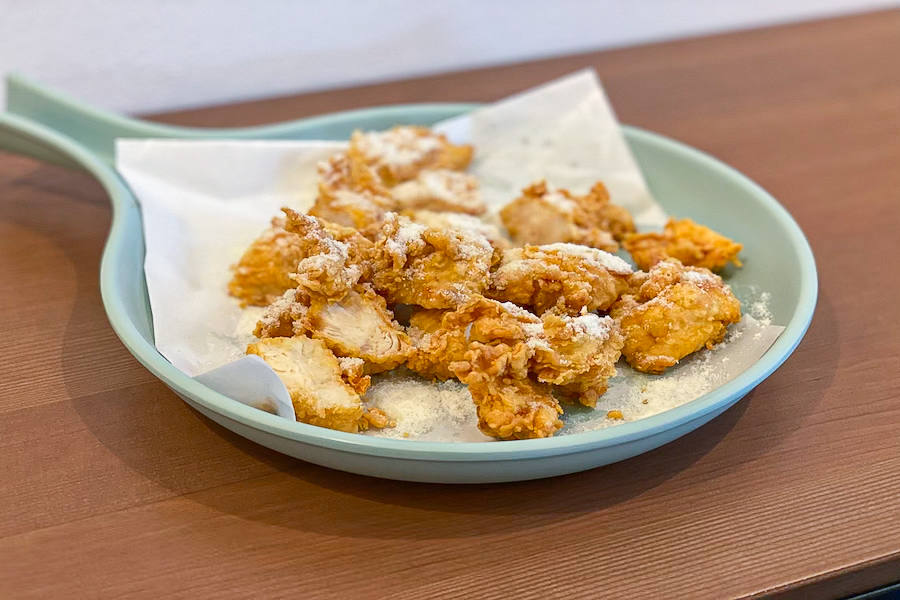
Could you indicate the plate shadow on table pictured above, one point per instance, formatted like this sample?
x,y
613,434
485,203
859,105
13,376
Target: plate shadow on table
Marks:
x,y
155,434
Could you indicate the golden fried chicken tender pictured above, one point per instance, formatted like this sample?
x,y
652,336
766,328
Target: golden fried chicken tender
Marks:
x,y
363,211
464,223
351,193
337,257
349,170
693,244
580,354
487,322
545,216
440,190
432,268
672,311
594,209
401,153
319,391
357,326
263,273
501,343
508,406
435,346
279,317
567,276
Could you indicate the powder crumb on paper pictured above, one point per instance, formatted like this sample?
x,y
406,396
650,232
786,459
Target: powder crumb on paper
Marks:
x,y
760,308
424,410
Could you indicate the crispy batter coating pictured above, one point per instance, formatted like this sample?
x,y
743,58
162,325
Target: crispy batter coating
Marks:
x,y
487,322
401,153
263,273
594,209
279,317
351,193
580,354
693,244
349,170
545,216
337,257
362,211
440,190
432,268
435,346
319,391
508,406
489,345
567,276
671,312
464,223
357,326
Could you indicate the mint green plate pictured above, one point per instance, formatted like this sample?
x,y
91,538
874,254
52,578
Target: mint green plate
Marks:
x,y
687,182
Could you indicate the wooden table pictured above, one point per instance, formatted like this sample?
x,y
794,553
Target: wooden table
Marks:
x,y
111,487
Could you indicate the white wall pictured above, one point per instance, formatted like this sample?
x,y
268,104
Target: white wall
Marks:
x,y
144,56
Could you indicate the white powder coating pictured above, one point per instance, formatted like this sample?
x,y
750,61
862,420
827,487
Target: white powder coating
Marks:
x,y
592,325
285,305
406,234
349,199
349,363
458,222
452,187
560,202
472,246
398,147
610,262
424,410
330,171
519,312
700,277
760,309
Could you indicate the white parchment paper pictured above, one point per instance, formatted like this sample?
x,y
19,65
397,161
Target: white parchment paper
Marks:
x,y
204,201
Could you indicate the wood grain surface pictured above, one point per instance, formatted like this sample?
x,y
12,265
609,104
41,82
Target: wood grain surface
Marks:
x,y
111,487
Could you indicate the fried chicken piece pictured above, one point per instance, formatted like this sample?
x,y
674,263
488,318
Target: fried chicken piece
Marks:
x,y
353,371
464,223
263,273
693,244
279,317
350,170
442,338
435,346
351,194
671,312
440,190
501,342
401,153
567,276
357,326
544,216
319,391
337,257
432,268
362,211
580,354
594,209
508,406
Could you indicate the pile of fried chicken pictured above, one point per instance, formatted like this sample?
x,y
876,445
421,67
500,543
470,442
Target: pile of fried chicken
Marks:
x,y
392,267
